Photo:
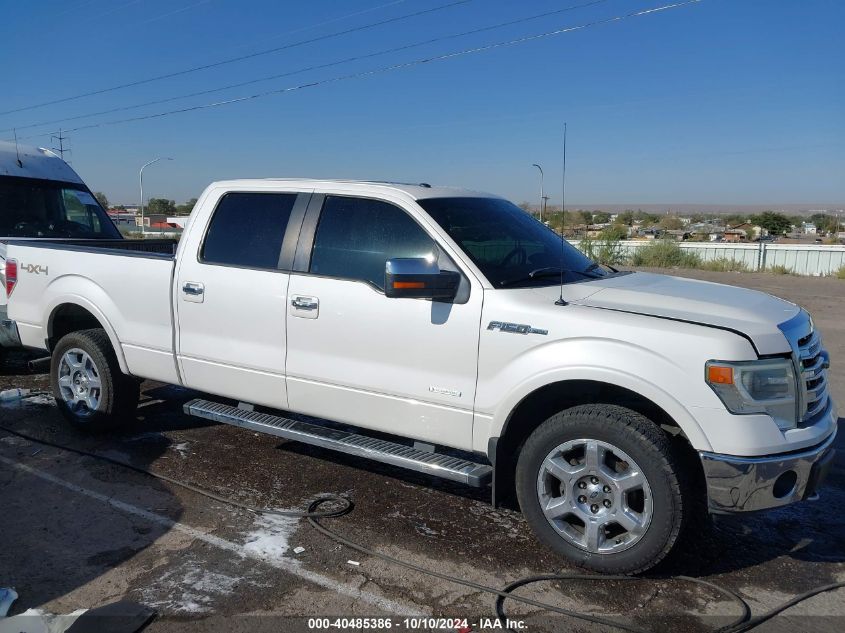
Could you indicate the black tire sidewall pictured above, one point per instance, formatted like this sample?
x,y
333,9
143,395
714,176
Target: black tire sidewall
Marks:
x,y
109,414
656,465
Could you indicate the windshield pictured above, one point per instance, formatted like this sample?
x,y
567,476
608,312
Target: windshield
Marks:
x,y
511,247
46,208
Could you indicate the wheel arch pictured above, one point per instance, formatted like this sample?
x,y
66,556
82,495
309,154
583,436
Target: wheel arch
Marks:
x,y
541,403
74,315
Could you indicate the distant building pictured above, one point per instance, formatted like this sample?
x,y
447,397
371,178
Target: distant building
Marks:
x,y
121,218
677,234
735,235
650,233
751,231
810,228
151,218
706,231
178,220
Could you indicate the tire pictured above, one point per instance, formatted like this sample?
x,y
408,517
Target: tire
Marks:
x,y
599,513
90,390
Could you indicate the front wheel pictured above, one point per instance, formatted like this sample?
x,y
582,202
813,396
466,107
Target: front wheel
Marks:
x,y
90,390
600,484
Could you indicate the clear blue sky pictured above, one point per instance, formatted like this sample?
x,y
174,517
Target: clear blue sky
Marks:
x,y
720,102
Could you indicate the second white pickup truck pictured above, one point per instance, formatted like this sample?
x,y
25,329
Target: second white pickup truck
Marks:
x,y
463,339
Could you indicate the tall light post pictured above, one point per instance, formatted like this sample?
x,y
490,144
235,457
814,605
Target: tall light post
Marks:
x,y
141,183
542,201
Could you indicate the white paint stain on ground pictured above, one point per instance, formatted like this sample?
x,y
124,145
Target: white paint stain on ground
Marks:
x,y
189,588
270,536
193,588
181,448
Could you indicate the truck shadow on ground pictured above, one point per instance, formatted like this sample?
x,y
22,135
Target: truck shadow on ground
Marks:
x,y
13,362
59,537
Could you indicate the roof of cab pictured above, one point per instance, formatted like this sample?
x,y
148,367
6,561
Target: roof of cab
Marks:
x,y
34,162
416,191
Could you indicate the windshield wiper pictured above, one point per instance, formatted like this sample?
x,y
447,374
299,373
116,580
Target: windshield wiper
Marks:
x,y
595,265
548,271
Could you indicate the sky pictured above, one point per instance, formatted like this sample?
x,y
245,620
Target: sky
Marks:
x,y
713,102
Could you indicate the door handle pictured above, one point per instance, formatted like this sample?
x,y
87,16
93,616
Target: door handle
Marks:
x,y
305,303
193,289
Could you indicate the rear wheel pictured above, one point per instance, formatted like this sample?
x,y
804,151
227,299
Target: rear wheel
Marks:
x,y
90,390
601,485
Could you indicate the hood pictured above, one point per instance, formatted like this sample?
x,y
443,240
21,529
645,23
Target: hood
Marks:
x,y
753,313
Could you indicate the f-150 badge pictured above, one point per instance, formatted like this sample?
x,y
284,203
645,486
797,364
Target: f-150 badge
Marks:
x,y
515,328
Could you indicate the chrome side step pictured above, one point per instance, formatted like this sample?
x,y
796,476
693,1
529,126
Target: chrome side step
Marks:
x,y
436,464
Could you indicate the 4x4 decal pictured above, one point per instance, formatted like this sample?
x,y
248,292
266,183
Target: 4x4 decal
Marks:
x,y
35,269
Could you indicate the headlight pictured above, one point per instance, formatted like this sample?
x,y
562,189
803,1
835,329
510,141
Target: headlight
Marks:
x,y
756,386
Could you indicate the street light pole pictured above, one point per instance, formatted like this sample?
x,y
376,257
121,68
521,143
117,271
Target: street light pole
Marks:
x,y
141,183
542,201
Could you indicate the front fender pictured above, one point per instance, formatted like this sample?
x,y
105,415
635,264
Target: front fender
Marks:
x,y
663,381
660,397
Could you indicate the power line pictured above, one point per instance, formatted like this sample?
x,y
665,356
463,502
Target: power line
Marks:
x,y
347,60
338,18
240,58
173,12
386,69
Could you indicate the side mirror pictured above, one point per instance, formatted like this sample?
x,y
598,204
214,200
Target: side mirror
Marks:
x,y
419,278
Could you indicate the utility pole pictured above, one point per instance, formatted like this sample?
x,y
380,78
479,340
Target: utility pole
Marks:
x,y
141,183
61,138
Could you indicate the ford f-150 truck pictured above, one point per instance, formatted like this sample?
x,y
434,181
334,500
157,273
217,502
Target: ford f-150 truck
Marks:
x,y
449,332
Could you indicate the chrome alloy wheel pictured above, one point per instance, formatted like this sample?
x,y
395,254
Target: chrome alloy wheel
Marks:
x,y
594,496
79,382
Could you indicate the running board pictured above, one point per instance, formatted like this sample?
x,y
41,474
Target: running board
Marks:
x,y
436,464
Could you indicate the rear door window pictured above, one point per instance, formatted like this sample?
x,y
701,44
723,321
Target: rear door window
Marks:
x,y
247,230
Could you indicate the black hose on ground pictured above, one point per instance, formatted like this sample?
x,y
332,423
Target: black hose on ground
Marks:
x,y
343,505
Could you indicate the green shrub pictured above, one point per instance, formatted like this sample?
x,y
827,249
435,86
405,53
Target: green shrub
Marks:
x,y
665,254
607,251
724,265
614,232
840,274
780,270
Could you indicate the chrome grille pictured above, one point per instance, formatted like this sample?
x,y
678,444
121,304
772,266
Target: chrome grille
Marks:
x,y
812,362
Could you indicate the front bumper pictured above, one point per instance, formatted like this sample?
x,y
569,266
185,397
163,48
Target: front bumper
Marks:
x,y
9,336
746,484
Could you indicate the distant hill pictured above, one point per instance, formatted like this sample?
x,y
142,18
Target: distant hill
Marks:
x,y
687,208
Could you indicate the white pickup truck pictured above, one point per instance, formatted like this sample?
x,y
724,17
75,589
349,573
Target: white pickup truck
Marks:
x,y
459,337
